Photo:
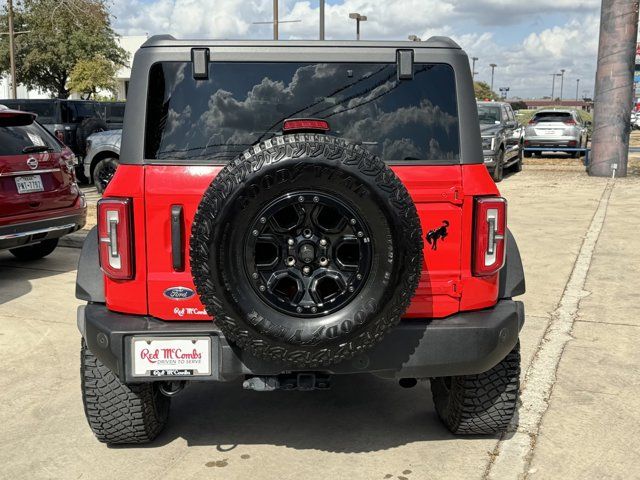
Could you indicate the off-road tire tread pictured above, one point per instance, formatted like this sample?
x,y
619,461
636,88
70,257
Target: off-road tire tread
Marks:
x,y
305,145
480,404
119,413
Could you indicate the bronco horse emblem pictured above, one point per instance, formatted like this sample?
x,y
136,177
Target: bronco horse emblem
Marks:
x,y
436,234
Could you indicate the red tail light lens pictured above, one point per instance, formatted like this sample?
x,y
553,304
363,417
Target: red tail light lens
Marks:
x,y
305,124
116,237
490,225
570,122
532,122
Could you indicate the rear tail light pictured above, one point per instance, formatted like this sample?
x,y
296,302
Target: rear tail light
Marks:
x,y
60,135
490,226
532,122
305,124
116,237
570,122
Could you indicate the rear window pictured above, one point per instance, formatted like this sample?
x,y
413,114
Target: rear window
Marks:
x,y
552,116
115,113
244,103
14,139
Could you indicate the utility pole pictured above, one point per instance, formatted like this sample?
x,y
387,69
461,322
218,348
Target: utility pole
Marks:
x,y
321,19
473,67
614,88
12,51
358,18
276,21
493,67
561,83
577,88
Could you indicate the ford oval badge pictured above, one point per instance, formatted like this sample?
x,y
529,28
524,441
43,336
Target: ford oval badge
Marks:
x,y
179,293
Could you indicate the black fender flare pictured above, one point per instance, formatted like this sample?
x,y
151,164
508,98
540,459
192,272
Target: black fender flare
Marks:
x,y
512,281
90,279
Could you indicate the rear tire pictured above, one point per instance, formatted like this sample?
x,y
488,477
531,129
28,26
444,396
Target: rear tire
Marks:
x,y
498,171
35,251
479,404
119,413
517,167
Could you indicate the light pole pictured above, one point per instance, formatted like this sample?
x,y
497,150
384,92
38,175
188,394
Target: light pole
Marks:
x,y
473,67
553,85
561,83
358,18
493,67
577,88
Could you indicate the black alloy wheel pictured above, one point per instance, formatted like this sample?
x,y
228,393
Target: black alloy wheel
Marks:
x,y
308,253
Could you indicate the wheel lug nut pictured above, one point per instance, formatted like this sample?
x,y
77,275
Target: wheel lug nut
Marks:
x,y
291,241
301,199
255,233
360,234
352,221
314,309
263,220
323,242
316,200
323,261
299,309
262,288
351,289
307,233
291,261
254,275
359,276
306,270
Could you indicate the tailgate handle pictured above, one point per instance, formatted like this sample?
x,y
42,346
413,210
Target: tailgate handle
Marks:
x,y
177,238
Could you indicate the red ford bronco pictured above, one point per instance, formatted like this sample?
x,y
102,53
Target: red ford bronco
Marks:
x,y
288,211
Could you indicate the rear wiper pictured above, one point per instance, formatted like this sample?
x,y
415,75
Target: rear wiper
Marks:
x,y
37,149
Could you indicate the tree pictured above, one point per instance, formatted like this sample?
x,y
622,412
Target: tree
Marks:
x,y
61,34
483,91
89,76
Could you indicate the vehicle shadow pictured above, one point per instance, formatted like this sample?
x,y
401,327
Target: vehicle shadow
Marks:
x,y
16,275
361,413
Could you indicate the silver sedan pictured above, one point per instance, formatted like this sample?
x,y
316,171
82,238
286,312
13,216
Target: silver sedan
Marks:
x,y
557,129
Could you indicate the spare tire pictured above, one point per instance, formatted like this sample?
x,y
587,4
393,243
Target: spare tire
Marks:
x,y
87,127
306,250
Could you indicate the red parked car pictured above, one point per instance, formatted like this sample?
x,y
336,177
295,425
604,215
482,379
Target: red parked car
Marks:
x,y
39,198
284,212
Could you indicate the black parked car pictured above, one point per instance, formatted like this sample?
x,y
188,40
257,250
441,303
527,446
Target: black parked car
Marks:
x,y
502,138
71,121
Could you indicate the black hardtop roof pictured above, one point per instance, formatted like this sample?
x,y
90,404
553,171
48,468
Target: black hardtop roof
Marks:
x,y
170,41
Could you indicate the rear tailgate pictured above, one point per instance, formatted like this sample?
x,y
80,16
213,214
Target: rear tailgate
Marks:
x,y
436,190
33,182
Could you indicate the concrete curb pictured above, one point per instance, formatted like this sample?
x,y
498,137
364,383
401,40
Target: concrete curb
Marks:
x,y
73,240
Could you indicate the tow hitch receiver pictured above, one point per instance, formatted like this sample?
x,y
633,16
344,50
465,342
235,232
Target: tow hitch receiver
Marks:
x,y
294,381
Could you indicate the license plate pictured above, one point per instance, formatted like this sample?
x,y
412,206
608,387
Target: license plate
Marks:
x,y
551,132
31,183
171,357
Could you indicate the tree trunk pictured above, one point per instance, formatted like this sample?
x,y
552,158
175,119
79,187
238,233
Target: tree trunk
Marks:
x,y
614,88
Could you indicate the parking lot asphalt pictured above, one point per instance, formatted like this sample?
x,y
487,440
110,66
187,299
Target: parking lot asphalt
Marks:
x,y
578,237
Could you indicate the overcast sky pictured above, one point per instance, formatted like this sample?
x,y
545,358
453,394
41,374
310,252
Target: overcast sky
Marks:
x,y
528,39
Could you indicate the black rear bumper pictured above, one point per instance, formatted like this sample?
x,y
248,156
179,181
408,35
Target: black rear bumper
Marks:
x,y
462,344
21,234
